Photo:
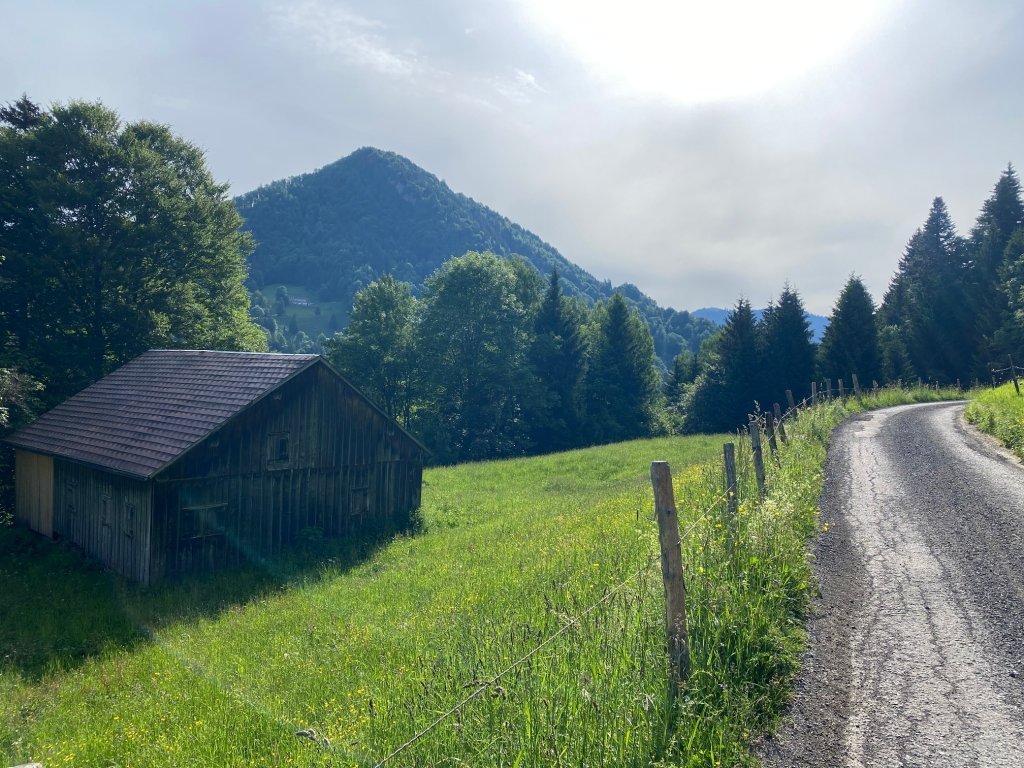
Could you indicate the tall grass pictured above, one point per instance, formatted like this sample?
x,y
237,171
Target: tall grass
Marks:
x,y
364,650
999,412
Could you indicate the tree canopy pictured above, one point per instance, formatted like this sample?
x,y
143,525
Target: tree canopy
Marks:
x,y
850,343
115,239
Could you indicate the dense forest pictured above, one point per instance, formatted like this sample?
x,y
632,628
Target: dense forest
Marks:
x,y
114,239
374,213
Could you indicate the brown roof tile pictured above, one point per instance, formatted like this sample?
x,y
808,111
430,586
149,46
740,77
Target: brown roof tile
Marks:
x,y
154,408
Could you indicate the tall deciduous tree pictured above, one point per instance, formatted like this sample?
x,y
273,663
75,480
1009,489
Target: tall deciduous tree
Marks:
x,y
850,342
116,239
788,349
623,385
558,361
473,338
375,351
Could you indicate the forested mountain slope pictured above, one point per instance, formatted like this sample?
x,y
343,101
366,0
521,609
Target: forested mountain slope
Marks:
x,y
336,229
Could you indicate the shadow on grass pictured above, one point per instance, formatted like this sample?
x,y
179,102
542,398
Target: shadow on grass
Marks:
x,y
59,608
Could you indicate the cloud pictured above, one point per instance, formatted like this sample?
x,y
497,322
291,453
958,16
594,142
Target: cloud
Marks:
x,y
346,37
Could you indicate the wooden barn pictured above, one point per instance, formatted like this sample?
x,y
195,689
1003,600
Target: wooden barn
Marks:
x,y
192,460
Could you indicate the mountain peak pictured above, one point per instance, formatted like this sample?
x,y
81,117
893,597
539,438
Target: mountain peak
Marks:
x,y
374,212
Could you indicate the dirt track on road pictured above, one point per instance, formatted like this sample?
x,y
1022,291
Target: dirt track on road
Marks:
x,y
916,653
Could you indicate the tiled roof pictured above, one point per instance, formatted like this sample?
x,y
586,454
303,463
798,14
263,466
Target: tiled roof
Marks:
x,y
154,408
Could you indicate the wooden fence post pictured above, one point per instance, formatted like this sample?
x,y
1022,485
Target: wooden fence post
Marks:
x,y
732,501
842,390
672,575
814,393
829,390
778,423
856,385
754,428
1013,372
790,401
769,428
874,387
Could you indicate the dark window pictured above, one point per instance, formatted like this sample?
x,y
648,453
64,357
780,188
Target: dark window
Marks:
x,y
278,451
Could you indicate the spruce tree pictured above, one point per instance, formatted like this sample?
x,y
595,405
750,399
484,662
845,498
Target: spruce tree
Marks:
x,y
726,390
558,361
850,342
1002,215
788,352
927,300
623,385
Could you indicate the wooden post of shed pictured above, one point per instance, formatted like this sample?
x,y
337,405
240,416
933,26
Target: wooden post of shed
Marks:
x,y
754,428
672,575
814,393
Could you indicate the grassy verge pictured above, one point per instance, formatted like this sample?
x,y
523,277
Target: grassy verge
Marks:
x,y
1000,412
364,649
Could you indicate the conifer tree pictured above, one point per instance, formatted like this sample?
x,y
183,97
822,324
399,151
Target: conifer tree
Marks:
x,y
1002,215
726,390
558,362
623,385
788,352
927,301
850,342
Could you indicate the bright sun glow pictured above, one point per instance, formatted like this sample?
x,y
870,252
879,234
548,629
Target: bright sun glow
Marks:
x,y
714,50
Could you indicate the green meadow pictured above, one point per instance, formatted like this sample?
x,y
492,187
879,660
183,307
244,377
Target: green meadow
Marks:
x,y
999,412
360,646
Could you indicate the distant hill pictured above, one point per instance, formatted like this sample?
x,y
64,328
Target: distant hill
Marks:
x,y
337,229
717,315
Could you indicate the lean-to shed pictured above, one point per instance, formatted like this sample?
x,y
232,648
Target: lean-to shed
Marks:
x,y
191,460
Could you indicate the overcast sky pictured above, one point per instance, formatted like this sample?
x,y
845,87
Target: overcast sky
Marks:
x,y
702,150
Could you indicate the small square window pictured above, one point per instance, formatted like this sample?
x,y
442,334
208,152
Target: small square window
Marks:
x,y
278,450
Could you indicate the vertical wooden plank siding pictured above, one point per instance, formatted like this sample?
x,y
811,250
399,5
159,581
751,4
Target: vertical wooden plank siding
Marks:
x,y
34,491
107,515
348,468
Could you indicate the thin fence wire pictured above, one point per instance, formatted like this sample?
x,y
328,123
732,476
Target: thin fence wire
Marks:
x,y
573,622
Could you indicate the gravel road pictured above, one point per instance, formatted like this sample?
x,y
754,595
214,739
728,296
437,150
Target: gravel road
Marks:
x,y
916,653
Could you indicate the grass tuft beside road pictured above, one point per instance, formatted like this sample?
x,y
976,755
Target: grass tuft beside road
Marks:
x,y
999,412
363,645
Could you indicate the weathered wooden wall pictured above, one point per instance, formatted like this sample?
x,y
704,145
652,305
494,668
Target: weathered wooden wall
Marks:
x,y
34,492
107,515
231,498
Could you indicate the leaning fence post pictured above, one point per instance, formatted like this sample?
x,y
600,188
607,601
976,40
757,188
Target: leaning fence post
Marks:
x,y
779,424
790,401
769,428
672,575
754,428
1013,372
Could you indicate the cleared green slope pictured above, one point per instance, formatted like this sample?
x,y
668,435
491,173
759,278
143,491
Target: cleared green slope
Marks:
x,y
363,651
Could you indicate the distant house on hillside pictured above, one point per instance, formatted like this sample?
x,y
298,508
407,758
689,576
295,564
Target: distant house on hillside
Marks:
x,y
186,460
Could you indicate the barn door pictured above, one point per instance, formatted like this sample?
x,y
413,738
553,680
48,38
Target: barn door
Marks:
x,y
34,504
